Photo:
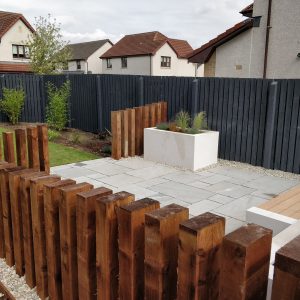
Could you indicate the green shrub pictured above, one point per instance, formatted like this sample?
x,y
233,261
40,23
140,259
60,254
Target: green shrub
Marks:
x,y
182,120
163,126
53,135
57,109
199,122
12,104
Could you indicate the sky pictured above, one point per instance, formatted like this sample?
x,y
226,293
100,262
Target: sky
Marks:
x,y
196,21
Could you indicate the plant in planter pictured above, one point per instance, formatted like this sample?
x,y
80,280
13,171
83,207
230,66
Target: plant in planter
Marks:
x,y
185,142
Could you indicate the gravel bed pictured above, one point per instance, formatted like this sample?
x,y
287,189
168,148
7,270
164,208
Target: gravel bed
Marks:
x,y
16,284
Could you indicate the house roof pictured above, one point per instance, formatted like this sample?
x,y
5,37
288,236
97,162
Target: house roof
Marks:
x,y
8,19
85,50
146,44
6,67
203,54
247,11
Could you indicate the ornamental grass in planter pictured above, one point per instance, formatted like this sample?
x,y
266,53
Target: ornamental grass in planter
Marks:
x,y
184,142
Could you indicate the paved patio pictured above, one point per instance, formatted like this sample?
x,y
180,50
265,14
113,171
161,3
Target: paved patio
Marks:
x,y
225,190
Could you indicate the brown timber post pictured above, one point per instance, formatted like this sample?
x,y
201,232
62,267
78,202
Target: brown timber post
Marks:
x,y
161,251
52,198
116,134
153,115
86,241
131,224
245,259
124,132
68,238
107,244
200,239
9,148
21,149
43,148
131,132
286,281
38,229
33,148
138,129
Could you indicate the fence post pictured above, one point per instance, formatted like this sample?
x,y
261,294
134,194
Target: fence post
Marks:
x,y
245,260
99,103
20,136
43,147
141,91
52,198
195,94
8,145
86,241
68,238
124,133
116,130
161,251
33,148
200,239
38,230
131,224
107,262
27,226
286,279
69,104
270,125
131,132
43,105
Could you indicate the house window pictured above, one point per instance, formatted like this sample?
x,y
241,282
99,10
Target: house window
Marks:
x,y
124,62
165,62
20,51
108,63
78,64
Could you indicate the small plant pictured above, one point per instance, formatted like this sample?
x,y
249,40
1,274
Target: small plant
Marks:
x,y
182,120
12,104
53,135
75,138
199,121
57,109
184,124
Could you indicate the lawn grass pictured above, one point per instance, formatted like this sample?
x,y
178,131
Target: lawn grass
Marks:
x,y
60,154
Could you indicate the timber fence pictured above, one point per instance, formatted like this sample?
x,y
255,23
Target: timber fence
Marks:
x,y
73,241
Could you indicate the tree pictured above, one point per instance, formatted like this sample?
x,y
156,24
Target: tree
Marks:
x,y
48,51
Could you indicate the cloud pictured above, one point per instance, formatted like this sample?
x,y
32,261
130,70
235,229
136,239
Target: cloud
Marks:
x,y
194,20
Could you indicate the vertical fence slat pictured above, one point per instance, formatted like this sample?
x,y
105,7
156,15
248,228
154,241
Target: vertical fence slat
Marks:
x,y
38,229
8,147
68,239
286,279
52,197
33,150
86,241
245,259
21,147
43,148
27,226
107,244
200,239
161,239
131,220
116,134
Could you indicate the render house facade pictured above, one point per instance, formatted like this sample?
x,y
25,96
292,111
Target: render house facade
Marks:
x,y
265,45
85,57
150,53
14,32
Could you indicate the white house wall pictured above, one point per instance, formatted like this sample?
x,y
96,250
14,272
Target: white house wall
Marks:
x,y
94,62
179,67
136,65
18,34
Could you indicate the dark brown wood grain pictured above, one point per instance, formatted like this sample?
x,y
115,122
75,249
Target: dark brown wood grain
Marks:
x,y
107,244
131,224
68,238
86,241
33,148
200,239
43,147
124,133
161,251
21,147
116,135
131,132
8,147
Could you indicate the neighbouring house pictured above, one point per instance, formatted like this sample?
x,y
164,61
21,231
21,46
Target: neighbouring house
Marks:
x,y
150,53
14,32
85,57
265,45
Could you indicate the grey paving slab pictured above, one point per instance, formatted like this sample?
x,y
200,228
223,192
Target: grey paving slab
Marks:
x,y
121,180
151,182
202,207
95,183
215,179
108,168
183,177
182,192
138,191
152,172
198,184
221,199
73,172
237,208
230,189
135,163
271,185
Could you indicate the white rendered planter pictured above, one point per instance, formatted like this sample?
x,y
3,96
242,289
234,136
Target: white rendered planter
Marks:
x,y
189,151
